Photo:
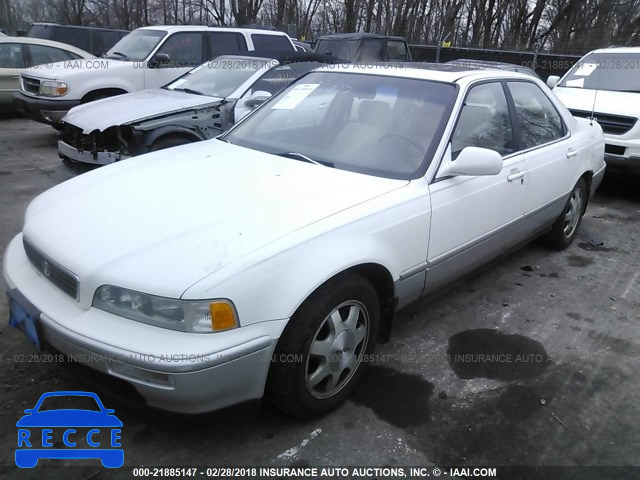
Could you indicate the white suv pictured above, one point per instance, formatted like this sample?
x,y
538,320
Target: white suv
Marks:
x,y
148,57
606,82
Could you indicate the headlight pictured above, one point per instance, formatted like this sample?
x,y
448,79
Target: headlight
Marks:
x,y
53,88
197,316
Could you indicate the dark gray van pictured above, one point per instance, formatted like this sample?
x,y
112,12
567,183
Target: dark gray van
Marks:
x,y
94,40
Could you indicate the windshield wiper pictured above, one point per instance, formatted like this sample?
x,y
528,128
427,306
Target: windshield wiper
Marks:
x,y
303,157
120,54
189,90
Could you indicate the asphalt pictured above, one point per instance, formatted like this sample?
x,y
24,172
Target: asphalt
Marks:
x,y
561,388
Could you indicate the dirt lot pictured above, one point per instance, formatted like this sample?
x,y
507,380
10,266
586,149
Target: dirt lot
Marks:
x,y
567,393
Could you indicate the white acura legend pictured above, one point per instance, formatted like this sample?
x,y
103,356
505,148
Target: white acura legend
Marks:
x,y
266,262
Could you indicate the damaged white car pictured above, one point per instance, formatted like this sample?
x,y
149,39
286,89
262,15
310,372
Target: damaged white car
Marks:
x,y
201,104
267,261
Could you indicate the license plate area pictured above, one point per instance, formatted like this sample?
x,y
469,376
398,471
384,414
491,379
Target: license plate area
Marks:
x,y
24,316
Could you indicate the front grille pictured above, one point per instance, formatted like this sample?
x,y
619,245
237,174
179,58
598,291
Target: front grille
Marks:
x,y
614,149
31,85
56,274
613,124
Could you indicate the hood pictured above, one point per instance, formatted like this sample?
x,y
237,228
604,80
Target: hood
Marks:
x,y
160,222
133,107
69,70
607,102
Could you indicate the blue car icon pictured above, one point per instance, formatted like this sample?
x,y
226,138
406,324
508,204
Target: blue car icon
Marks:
x,y
84,432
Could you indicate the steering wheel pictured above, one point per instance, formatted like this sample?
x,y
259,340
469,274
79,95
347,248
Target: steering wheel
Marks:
x,y
419,149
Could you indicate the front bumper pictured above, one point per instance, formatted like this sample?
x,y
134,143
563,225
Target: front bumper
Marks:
x,y
99,158
176,371
623,151
43,110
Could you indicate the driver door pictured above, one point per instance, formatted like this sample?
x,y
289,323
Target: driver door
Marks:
x,y
185,51
476,217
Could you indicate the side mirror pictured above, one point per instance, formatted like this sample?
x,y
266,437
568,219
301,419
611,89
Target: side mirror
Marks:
x,y
552,81
159,60
475,161
257,98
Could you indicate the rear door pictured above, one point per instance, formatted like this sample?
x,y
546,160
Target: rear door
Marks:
x,y
477,217
550,152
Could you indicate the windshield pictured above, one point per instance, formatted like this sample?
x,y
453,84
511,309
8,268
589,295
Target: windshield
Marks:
x,y
618,72
379,125
137,45
220,77
67,402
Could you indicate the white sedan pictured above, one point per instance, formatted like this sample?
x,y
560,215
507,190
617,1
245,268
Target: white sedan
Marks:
x,y
268,261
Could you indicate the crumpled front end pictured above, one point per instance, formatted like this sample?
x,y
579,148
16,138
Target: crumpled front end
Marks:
x,y
99,148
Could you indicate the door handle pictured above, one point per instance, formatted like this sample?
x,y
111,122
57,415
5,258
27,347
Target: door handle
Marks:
x,y
515,176
571,153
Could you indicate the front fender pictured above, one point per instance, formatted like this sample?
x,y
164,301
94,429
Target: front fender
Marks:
x,y
265,286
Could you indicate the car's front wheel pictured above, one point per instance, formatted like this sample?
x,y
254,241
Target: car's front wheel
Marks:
x,y
565,228
319,358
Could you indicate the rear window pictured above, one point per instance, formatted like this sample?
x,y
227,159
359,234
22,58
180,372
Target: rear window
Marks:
x,y
342,49
270,43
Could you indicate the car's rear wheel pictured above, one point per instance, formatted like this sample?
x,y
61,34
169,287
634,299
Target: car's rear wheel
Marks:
x,y
565,228
319,358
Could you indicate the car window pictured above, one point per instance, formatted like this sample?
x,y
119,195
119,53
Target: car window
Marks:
x,y
11,55
78,37
225,43
104,41
269,43
137,45
41,54
614,71
371,50
183,49
66,402
396,50
392,133
484,121
281,76
540,122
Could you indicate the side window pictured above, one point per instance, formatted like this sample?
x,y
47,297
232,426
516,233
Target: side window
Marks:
x,y
11,55
184,49
396,50
484,121
225,43
78,37
41,55
540,122
270,43
103,41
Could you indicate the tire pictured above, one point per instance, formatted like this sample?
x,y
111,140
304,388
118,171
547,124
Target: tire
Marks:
x,y
305,384
565,228
168,142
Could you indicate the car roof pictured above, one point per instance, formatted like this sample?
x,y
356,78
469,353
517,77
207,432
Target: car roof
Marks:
x,y
287,56
53,24
359,36
171,28
617,50
428,71
490,64
47,43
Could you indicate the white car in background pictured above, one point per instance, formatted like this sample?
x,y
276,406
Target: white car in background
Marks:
x,y
605,83
267,261
148,57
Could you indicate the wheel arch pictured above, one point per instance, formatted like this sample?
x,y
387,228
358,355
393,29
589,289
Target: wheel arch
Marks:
x,y
102,93
170,131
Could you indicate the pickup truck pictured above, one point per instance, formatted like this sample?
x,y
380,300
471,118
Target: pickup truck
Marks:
x,y
149,57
